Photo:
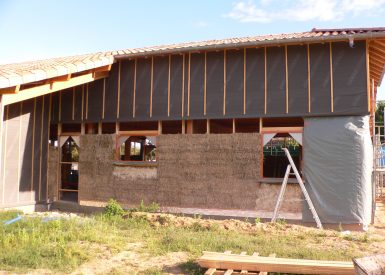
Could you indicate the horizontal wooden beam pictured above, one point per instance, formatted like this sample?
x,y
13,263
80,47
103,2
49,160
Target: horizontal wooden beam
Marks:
x,y
270,264
10,90
52,87
139,133
281,129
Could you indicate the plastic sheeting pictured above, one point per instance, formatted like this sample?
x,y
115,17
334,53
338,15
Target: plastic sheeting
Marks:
x,y
338,169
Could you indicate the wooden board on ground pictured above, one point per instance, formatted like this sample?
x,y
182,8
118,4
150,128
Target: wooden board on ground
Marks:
x,y
372,265
221,261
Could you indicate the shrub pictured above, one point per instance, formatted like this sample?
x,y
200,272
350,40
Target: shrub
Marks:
x,y
113,208
153,207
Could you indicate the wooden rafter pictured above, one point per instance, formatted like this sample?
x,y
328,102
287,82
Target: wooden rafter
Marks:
x,y
56,84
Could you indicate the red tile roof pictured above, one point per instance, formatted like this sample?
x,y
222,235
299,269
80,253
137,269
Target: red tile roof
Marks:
x,y
27,72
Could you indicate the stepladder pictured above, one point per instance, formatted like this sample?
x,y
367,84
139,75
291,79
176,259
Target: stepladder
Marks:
x,y
292,170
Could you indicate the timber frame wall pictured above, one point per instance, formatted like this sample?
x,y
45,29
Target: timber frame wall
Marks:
x,y
24,156
329,79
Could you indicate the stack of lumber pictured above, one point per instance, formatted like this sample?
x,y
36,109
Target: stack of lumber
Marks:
x,y
227,263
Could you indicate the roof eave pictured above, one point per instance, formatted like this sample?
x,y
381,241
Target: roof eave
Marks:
x,y
274,42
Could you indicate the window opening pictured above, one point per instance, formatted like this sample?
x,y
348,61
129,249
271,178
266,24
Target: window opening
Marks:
x,y
274,158
137,148
69,169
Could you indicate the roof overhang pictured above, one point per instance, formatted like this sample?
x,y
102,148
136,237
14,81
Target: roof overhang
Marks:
x,y
27,91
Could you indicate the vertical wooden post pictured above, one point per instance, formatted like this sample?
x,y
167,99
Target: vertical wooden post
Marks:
x,y
183,126
117,107
224,82
287,81
5,150
159,127
19,161
48,145
133,105
205,87
183,69
244,80
104,98
208,126
308,79
83,103
260,125
152,84
73,103
99,128
233,125
189,126
33,146
265,81
41,146
82,128
188,84
331,78
169,85
1,135
87,101
368,76
117,127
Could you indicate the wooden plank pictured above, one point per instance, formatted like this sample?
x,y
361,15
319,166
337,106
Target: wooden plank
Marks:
x,y
370,265
138,132
264,272
210,271
10,90
228,272
244,271
269,264
282,130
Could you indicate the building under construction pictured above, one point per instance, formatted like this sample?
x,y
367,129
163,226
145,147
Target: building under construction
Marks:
x,y
198,125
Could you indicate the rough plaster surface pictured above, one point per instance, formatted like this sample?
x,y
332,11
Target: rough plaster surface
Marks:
x,y
205,171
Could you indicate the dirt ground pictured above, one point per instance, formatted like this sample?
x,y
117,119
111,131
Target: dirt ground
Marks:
x,y
134,260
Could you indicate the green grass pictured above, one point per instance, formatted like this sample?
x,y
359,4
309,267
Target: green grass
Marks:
x,y
62,245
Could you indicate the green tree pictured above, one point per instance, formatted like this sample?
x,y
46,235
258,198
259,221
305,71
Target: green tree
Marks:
x,y
380,112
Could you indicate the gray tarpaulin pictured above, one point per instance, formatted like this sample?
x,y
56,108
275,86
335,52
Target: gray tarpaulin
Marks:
x,y
338,169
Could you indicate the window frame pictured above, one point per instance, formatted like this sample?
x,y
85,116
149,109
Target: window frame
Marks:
x,y
280,130
129,134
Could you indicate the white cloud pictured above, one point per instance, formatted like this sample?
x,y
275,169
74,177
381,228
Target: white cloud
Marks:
x,y
301,10
201,24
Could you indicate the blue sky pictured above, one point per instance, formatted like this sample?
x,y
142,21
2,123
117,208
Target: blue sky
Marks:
x,y
36,29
